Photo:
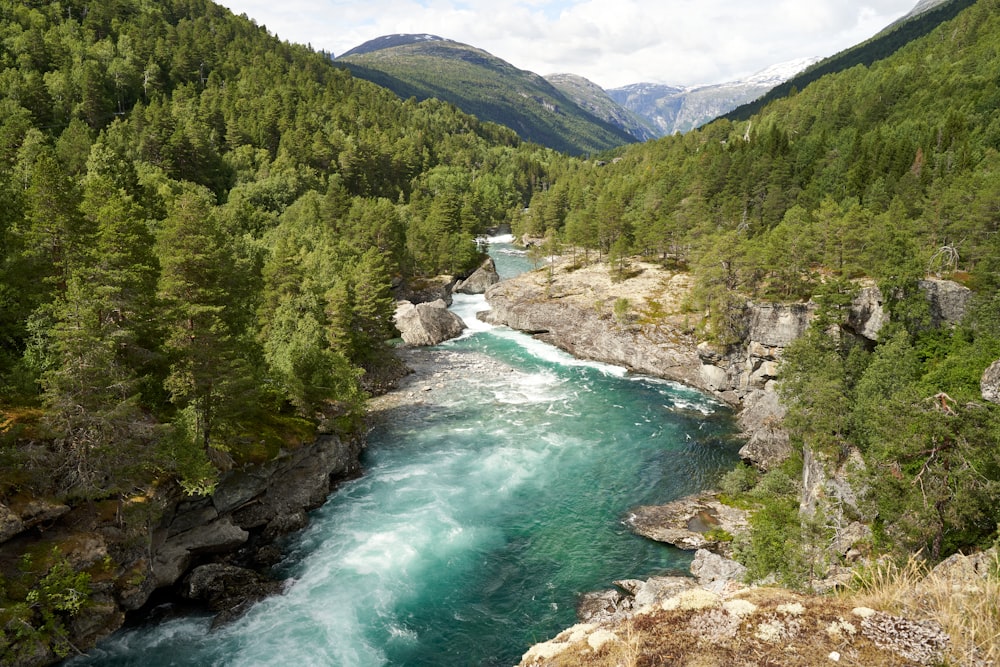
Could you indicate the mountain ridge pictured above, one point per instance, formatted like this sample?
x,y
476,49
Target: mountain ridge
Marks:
x,y
425,66
674,109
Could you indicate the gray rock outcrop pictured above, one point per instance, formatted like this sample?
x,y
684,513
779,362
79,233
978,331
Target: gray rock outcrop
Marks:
x,y
481,279
777,324
710,568
250,503
176,554
227,589
948,301
427,323
990,384
427,290
664,351
768,443
10,523
867,315
694,522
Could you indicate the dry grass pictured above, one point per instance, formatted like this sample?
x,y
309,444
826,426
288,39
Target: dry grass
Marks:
x,y
966,607
778,629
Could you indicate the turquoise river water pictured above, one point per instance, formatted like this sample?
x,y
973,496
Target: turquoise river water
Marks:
x,y
481,517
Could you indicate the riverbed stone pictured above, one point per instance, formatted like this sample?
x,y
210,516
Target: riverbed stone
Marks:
x,y
427,323
481,279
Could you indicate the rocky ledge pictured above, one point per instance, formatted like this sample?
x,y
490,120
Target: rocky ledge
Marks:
x,y
714,619
696,522
642,321
210,548
575,311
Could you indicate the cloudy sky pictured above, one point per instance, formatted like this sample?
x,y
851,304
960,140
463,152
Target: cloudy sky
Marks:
x,y
611,42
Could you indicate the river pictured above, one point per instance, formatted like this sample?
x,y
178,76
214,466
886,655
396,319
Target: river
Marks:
x,y
492,497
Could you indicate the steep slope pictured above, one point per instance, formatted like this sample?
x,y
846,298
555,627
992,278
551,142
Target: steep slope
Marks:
x,y
671,109
594,99
478,83
927,15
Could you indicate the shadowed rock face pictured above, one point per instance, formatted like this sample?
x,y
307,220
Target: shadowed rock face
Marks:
x,y
481,280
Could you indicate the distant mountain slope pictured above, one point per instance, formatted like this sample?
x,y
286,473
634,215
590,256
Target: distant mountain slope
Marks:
x,y
478,83
671,109
927,15
595,100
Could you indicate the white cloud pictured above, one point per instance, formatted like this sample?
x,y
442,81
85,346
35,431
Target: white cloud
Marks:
x,y
611,42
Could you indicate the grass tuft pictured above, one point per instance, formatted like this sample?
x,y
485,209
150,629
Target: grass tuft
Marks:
x,y
964,603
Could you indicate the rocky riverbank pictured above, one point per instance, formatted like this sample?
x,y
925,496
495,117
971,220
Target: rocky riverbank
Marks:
x,y
643,322
209,549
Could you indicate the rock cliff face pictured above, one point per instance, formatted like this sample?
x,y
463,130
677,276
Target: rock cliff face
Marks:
x,y
574,311
152,542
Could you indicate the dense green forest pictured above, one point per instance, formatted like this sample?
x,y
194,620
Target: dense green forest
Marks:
x,y
882,175
201,225
199,232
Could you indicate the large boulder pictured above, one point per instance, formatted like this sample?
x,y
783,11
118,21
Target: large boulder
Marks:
x,y
990,384
867,315
427,323
481,280
948,300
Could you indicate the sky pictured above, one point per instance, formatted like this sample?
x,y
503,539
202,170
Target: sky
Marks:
x,y
611,42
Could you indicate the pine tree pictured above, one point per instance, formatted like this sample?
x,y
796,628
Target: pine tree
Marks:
x,y
101,342
209,380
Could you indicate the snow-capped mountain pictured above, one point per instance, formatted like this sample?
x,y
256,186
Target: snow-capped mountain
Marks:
x,y
672,109
779,73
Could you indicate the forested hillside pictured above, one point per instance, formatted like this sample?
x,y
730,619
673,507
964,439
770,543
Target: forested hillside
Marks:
x,y
883,175
882,45
200,227
487,87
